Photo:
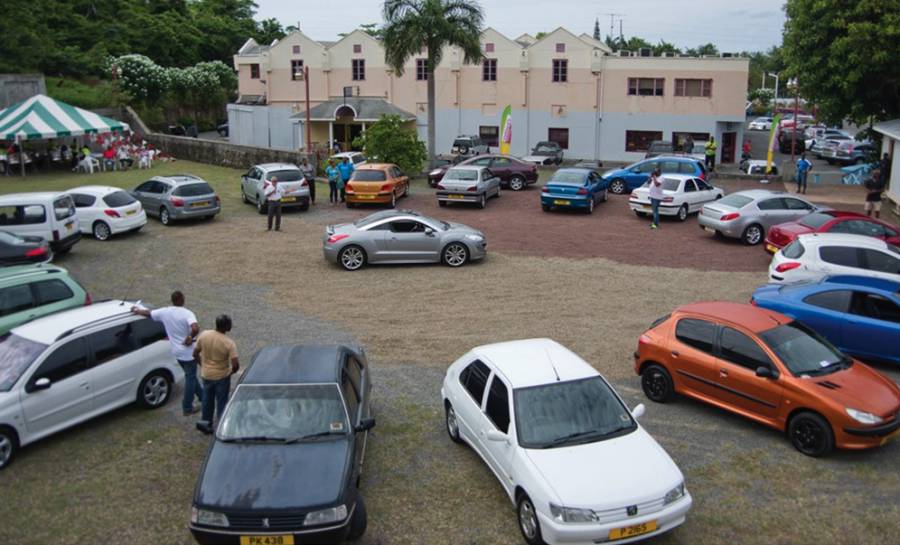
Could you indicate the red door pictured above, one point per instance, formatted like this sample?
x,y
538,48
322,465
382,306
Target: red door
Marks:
x,y
729,140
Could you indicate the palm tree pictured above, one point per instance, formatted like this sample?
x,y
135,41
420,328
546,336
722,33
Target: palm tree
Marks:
x,y
411,25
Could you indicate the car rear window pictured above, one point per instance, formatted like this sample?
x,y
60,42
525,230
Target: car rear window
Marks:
x,y
64,207
290,175
793,250
567,178
815,220
368,176
735,201
117,199
670,184
193,190
462,174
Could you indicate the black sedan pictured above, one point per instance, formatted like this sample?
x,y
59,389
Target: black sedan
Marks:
x,y
18,250
285,464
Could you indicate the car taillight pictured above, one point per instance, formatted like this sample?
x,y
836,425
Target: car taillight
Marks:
x,y
385,187
633,197
582,191
784,267
753,302
729,217
338,237
472,188
439,186
36,252
111,213
87,299
545,189
176,201
349,187
668,199
644,339
304,183
702,175
218,200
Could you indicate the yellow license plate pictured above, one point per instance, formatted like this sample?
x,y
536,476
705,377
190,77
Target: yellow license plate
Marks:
x,y
564,203
267,540
456,196
365,197
710,230
631,531
647,209
771,248
199,204
131,212
288,199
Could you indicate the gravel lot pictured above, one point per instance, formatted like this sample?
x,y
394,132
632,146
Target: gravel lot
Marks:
x,y
128,477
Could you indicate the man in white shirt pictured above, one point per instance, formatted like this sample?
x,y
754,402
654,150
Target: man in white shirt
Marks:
x,y
182,330
656,196
274,192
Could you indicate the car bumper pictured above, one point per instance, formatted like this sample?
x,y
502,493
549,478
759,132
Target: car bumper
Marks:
x,y
368,198
590,533
185,213
64,244
772,247
224,536
449,196
128,223
665,209
727,228
566,201
869,436
295,201
477,250
331,252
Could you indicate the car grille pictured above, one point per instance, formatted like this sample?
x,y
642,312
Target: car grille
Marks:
x,y
619,513
255,522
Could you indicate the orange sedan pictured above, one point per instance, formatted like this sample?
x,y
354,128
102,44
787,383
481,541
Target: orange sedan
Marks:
x,y
376,183
769,368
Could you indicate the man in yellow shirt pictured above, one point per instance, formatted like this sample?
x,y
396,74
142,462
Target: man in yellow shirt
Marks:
x,y
218,358
710,148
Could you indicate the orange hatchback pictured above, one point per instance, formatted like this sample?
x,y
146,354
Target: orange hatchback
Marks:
x,y
377,183
769,368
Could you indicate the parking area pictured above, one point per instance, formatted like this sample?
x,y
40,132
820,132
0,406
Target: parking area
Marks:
x,y
759,143
591,282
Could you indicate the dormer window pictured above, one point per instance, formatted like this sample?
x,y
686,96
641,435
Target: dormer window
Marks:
x,y
560,48
489,47
296,50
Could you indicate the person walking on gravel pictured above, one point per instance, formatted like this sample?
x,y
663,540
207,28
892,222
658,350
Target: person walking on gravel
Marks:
x,y
182,330
218,361
333,175
710,150
656,196
803,168
309,174
274,192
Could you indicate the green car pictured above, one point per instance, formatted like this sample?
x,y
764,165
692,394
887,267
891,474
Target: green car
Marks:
x,y
28,292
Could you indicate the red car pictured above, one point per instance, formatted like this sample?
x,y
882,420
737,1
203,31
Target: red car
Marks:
x,y
513,173
830,221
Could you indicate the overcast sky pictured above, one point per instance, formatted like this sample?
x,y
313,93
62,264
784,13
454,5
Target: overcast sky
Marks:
x,y
732,25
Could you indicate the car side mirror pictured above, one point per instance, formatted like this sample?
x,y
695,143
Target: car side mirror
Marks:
x,y
429,232
766,372
40,384
365,424
638,411
496,435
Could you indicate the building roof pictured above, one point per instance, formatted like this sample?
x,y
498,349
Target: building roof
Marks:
x,y
533,362
890,128
363,108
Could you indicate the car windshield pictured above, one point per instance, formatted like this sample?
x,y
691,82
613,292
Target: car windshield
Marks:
x,y
10,238
815,220
372,218
734,200
546,148
464,143
563,413
192,190
16,355
804,351
566,177
64,207
118,198
289,175
289,412
462,174
368,176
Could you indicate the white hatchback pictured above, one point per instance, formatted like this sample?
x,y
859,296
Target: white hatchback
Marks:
x,y
683,195
105,211
69,367
562,443
817,255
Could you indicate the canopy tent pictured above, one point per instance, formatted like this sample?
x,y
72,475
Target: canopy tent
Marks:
x,y
41,117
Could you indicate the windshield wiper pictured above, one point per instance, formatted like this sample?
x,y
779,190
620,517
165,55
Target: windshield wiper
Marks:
x,y
311,436
569,437
254,439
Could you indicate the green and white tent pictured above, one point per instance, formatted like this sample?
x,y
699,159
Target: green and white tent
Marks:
x,y
41,117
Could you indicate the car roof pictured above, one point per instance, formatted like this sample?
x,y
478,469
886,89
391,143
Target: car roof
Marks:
x,y
34,195
24,271
754,318
679,158
293,364
346,154
817,239
95,189
532,362
277,166
844,214
678,176
179,179
580,170
467,167
49,328
375,166
760,193
882,284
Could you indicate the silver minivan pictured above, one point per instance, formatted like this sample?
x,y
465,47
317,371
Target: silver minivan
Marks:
x,y
49,215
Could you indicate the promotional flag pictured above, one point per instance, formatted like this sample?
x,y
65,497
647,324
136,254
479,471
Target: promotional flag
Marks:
x,y
772,134
506,130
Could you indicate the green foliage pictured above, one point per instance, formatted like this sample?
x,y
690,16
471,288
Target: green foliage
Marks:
x,y
844,55
700,50
391,140
763,96
540,35
89,95
761,63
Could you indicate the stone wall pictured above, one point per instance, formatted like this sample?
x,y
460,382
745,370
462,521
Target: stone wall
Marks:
x,y
15,88
221,153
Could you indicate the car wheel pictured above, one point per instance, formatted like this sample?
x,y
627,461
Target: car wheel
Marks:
x,y
683,213
261,205
657,383
154,390
352,258
528,521
617,186
590,208
101,231
455,254
360,520
640,214
545,207
752,235
8,445
164,217
498,192
244,198
482,203
517,183
442,203
452,423
406,190
393,200
811,434
605,195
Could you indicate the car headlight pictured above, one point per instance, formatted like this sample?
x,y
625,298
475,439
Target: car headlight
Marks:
x,y
475,238
674,495
863,417
209,518
571,514
325,516
435,172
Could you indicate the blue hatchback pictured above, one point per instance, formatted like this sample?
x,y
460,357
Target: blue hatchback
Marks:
x,y
859,315
624,180
573,188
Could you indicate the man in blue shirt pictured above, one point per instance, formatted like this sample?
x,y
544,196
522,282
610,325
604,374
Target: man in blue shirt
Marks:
x,y
346,168
803,167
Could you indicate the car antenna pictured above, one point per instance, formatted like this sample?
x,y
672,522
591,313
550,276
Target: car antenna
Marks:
x,y
130,285
555,372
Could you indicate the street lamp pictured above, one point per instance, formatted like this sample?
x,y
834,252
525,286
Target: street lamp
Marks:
x,y
792,85
776,87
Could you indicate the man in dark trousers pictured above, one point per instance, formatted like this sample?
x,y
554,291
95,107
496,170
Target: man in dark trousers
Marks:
x,y
874,189
274,192
218,358
309,174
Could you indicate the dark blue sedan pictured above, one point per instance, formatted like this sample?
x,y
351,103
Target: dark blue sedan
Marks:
x,y
574,188
624,180
859,315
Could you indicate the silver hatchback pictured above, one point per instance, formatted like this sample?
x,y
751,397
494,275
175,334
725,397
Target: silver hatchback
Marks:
x,y
177,197
290,178
747,215
468,183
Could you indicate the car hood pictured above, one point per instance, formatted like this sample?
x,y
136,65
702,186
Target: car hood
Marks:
x,y
464,229
793,228
861,388
616,173
273,475
593,475
536,158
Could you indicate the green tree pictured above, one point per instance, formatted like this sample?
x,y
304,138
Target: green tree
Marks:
x,y
665,47
700,50
540,35
269,30
411,25
390,140
844,56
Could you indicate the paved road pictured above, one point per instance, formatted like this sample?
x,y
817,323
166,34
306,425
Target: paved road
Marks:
x,y
759,141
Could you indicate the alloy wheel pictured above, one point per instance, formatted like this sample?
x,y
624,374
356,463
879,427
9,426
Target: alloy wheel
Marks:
x,y
352,258
455,255
156,390
682,213
6,450
527,519
452,424
101,231
617,187
164,217
753,235
516,183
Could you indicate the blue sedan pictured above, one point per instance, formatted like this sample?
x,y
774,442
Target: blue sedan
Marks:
x,y
574,188
859,315
624,180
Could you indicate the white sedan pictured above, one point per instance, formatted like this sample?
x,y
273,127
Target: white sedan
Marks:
x,y
567,451
105,211
761,124
683,195
817,255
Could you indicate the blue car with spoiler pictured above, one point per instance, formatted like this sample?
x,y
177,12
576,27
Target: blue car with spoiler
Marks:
x,y
574,188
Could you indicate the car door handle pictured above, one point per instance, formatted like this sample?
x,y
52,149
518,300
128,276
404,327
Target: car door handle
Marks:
x,y
723,373
675,353
83,385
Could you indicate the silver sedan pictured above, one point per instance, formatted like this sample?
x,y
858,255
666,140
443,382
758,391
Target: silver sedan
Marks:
x,y
401,236
468,183
747,215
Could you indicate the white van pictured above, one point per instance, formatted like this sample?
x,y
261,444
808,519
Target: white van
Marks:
x,y
49,215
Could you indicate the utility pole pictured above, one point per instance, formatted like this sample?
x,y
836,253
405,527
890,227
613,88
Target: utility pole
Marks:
x,y
612,23
308,126
621,34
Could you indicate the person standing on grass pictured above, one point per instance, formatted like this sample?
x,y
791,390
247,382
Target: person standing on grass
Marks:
x,y
309,174
874,189
656,196
333,176
803,168
182,330
218,361
346,168
274,192
710,150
